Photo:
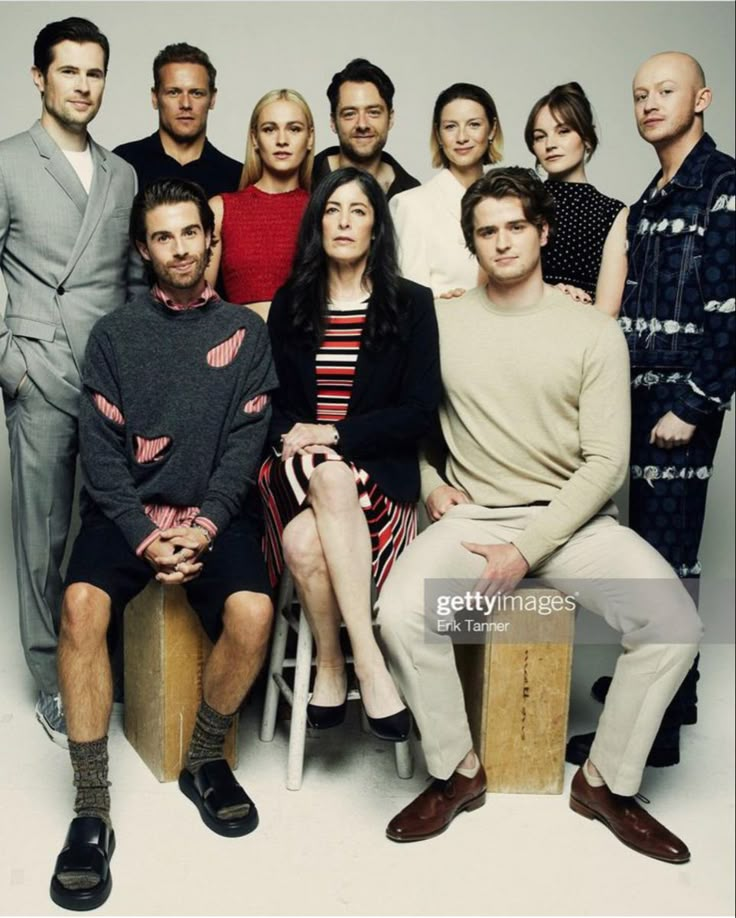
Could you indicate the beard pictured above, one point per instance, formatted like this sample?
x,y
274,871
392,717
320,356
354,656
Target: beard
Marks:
x,y
363,153
179,280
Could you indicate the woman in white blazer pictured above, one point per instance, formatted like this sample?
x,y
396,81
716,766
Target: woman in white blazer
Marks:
x,y
466,135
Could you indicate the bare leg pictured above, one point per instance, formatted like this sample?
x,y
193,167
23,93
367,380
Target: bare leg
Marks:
x,y
306,561
343,533
238,655
85,678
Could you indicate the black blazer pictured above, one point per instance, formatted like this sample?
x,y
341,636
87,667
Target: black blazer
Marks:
x,y
395,392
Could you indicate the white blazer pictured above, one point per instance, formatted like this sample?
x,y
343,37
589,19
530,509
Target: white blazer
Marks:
x,y
431,245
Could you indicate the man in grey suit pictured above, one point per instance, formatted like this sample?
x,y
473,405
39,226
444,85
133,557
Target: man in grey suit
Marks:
x,y
66,261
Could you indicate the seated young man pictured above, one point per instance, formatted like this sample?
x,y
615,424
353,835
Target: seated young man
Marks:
x,y
535,420
173,418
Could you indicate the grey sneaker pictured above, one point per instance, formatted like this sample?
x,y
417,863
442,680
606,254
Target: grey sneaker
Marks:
x,y
50,714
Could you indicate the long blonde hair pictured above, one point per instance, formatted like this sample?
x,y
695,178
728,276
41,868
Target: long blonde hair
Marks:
x,y
253,166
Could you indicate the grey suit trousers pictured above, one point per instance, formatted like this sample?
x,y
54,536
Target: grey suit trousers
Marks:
x,y
43,449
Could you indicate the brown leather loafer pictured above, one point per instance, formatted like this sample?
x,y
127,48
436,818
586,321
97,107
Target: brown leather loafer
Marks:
x,y
435,808
629,822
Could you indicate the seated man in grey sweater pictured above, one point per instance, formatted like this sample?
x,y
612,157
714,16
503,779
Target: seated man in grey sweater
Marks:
x,y
535,430
174,413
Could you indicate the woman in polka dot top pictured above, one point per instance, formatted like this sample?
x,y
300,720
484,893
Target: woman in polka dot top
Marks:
x,y
587,255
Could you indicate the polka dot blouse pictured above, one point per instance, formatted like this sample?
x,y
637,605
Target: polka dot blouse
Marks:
x,y
584,218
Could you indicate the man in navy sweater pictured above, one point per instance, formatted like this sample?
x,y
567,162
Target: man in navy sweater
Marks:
x,y
174,413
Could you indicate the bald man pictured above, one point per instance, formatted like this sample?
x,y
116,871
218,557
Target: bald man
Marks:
x,y
678,318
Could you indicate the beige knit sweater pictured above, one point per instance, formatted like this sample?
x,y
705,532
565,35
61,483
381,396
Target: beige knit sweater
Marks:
x,y
536,408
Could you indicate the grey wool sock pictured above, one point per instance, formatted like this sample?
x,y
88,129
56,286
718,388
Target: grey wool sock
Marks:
x,y
90,765
208,737
208,741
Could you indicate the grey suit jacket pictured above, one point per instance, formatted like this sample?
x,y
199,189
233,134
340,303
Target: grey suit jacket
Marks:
x,y
65,257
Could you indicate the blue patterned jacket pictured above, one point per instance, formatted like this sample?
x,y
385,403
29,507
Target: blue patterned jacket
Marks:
x,y
678,306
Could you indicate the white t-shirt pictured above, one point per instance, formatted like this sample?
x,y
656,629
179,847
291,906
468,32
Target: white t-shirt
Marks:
x,y
82,164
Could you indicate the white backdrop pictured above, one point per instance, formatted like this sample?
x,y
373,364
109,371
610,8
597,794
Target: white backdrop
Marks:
x,y
516,50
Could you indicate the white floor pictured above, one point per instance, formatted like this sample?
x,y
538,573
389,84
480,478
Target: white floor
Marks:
x,y
322,850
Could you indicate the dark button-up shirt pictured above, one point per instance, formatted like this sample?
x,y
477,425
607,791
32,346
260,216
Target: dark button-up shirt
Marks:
x,y
214,171
678,307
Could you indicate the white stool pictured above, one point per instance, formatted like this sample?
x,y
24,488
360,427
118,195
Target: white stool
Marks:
x,y
289,615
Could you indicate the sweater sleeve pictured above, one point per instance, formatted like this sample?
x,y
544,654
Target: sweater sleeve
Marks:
x,y
604,419
378,432
240,459
102,445
712,379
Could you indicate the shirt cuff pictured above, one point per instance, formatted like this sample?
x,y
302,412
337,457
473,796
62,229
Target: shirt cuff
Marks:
x,y
147,541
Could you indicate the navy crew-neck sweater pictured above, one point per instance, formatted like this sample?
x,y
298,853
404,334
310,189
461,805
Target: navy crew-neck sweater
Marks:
x,y
173,382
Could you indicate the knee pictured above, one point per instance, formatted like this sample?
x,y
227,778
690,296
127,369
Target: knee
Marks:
x,y
247,619
302,547
85,614
332,485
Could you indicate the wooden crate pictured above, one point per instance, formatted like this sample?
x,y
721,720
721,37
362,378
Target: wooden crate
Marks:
x,y
165,652
517,695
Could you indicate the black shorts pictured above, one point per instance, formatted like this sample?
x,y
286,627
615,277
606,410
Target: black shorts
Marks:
x,y
102,557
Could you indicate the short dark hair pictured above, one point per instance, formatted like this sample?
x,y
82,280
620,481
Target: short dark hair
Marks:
x,y
494,154
307,283
361,70
182,53
169,191
72,29
509,182
568,105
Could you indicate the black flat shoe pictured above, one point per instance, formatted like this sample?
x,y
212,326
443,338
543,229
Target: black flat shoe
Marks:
x,y
394,729
323,717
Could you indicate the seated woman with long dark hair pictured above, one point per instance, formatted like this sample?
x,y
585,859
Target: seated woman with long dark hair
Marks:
x,y
356,351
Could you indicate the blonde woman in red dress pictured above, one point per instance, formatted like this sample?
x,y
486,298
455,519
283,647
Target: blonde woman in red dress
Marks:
x,y
257,225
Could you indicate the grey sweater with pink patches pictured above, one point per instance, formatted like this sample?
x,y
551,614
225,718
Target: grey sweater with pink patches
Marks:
x,y
193,397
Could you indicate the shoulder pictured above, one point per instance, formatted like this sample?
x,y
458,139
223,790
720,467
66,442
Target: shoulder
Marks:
x,y
719,177
584,320
414,295
455,311
121,321
223,159
18,143
241,316
611,205
134,149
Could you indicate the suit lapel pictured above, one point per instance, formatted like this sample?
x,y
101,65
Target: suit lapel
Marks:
x,y
59,167
95,206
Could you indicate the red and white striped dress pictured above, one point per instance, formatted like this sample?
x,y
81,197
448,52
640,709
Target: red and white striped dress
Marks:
x,y
284,485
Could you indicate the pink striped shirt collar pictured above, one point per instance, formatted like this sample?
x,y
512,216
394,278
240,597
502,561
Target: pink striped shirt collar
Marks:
x,y
207,294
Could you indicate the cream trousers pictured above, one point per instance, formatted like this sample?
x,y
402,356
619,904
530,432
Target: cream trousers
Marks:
x,y
615,573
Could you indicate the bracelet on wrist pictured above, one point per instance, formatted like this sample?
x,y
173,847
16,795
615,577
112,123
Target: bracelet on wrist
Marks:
x,y
206,532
